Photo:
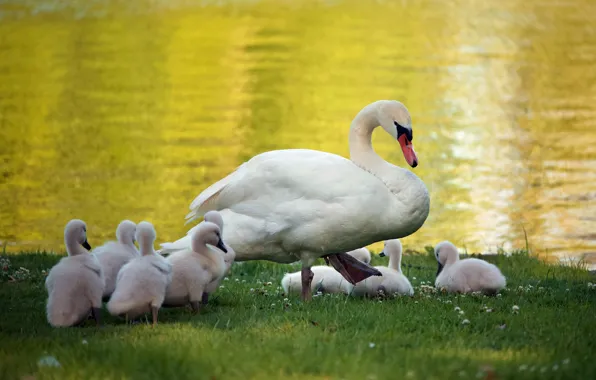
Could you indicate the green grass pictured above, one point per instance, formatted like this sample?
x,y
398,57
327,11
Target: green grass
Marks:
x,y
246,334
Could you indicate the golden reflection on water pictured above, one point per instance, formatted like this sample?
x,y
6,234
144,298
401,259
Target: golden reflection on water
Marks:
x,y
116,110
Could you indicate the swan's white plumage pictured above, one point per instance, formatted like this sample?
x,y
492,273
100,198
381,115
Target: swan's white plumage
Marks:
x,y
467,275
392,281
325,279
114,254
193,269
75,284
142,282
299,204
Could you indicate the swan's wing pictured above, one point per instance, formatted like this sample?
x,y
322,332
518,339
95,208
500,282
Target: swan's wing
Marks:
x,y
294,172
206,201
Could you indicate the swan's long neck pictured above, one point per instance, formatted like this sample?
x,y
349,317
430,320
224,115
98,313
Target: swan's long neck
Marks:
x,y
216,260
73,248
360,140
395,259
411,195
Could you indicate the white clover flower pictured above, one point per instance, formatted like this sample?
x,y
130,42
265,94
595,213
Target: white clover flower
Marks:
x,y
465,322
457,308
371,345
515,308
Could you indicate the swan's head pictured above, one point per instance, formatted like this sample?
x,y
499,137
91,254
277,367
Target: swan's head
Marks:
x,y
145,235
207,233
395,119
445,251
76,232
391,247
125,233
214,217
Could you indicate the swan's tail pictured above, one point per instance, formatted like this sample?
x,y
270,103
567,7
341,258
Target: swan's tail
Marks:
x,y
178,245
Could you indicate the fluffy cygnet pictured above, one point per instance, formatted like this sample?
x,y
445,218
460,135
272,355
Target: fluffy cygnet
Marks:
x,y
392,281
326,279
141,283
195,268
114,254
362,254
76,283
468,275
215,218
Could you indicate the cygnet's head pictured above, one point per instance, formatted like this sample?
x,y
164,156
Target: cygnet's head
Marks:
x,y
145,235
207,233
125,233
445,251
391,247
395,119
76,232
214,217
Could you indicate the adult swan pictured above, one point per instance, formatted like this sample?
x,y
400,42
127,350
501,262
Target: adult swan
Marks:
x,y
299,204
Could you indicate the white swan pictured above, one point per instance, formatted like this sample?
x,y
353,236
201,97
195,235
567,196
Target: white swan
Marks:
x,y
114,254
467,275
325,279
142,282
393,280
299,204
76,283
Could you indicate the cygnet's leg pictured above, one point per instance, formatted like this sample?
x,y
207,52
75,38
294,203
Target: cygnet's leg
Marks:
x,y
96,313
205,298
307,276
154,310
195,306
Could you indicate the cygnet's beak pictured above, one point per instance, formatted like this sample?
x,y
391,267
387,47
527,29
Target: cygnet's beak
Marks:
x,y
86,245
382,254
221,246
408,150
440,268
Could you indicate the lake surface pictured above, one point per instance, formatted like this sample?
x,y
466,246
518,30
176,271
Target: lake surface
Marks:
x,y
120,109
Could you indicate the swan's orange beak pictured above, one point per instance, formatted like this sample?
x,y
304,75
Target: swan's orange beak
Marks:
x,y
408,149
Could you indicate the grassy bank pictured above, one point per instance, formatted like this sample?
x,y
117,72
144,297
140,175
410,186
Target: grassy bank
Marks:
x,y
250,330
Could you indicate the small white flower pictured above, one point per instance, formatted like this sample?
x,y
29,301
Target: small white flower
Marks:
x,y
285,300
566,361
252,289
84,341
555,367
448,301
413,278
415,301
489,310
272,305
523,367
457,308
221,287
226,279
461,312
237,280
371,345
567,289
515,308
465,322
243,281
499,295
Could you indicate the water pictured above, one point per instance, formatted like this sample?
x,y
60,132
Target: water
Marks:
x,y
116,109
